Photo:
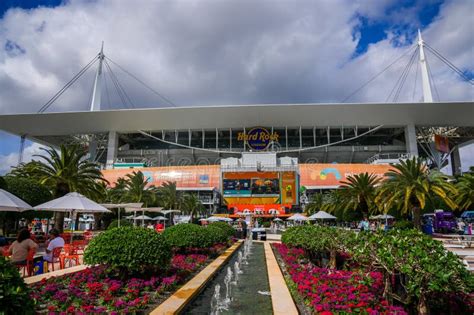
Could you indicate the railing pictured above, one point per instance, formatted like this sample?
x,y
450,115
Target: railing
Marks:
x,y
388,156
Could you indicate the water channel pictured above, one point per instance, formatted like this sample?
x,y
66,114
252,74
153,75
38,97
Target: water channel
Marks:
x,y
240,287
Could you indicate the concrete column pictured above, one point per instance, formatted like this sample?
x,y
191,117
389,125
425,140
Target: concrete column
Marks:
x,y
456,161
112,147
410,139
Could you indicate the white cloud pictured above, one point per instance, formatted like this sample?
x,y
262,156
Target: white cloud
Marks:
x,y
11,160
217,52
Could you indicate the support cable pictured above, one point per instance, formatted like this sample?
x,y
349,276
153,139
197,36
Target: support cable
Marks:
x,y
120,85
400,79
449,64
143,83
432,78
416,78
65,87
404,77
117,86
378,74
107,91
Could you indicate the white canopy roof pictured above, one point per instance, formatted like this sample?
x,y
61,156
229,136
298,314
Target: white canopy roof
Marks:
x,y
160,218
72,202
322,215
10,202
298,217
142,217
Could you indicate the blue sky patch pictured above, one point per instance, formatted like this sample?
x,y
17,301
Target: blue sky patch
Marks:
x,y
26,4
13,49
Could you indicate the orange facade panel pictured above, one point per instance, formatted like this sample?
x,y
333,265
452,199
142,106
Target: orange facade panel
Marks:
x,y
196,176
331,175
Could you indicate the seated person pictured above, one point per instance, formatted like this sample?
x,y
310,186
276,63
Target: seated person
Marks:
x,y
54,241
19,249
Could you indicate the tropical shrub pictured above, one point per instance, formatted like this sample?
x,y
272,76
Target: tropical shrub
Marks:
x,y
187,235
403,225
114,223
14,294
228,230
129,249
215,234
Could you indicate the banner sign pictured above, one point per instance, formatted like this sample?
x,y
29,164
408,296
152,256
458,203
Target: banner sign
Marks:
x,y
258,138
441,143
197,176
331,175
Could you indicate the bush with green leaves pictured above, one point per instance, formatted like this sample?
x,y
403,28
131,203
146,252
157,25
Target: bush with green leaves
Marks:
x,y
14,293
114,224
215,234
129,250
425,269
403,225
187,235
228,230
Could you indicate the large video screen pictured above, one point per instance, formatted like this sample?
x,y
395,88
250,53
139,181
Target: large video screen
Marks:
x,y
236,187
265,186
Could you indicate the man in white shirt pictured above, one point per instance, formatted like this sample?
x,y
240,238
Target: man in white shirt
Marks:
x,y
55,241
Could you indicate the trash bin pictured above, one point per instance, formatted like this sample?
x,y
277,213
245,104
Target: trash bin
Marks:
x,y
263,236
39,267
255,235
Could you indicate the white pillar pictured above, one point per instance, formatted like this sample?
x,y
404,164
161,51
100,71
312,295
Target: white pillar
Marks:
x,y
425,79
112,147
410,140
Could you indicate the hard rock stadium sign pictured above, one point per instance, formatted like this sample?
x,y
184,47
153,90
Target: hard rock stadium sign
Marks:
x,y
258,138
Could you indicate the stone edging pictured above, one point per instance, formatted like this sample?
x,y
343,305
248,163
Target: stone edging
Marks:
x,y
57,273
177,302
282,302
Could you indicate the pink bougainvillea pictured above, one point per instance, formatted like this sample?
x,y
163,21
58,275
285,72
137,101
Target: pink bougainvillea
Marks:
x,y
329,291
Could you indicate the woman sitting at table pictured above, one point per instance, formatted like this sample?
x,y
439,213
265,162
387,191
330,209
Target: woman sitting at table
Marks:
x,y
54,241
19,249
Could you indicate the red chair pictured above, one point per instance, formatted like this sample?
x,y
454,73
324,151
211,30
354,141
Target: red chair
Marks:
x,y
29,265
70,254
5,250
55,258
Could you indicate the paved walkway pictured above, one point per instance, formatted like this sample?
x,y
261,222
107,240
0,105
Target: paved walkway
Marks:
x,y
282,301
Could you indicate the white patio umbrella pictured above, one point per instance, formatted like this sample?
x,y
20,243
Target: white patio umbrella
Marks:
x,y
213,219
385,217
10,202
160,218
73,203
323,215
226,219
165,212
277,219
135,205
298,217
143,217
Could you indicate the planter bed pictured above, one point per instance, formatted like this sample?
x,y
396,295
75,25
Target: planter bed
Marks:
x,y
328,291
93,290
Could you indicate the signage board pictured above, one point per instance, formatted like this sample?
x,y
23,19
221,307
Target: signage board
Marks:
x,y
258,138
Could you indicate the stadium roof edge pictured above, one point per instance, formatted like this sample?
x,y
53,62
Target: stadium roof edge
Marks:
x,y
237,116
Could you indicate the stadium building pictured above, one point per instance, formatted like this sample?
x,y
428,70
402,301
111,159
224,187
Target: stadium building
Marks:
x,y
256,157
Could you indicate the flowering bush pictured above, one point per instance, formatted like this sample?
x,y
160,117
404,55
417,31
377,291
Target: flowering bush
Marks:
x,y
14,294
327,290
129,249
92,291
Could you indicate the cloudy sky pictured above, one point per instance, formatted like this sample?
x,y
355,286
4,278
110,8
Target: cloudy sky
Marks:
x,y
211,52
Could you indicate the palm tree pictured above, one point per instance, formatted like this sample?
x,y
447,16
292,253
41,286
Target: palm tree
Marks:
x,y
358,192
410,184
465,186
65,171
192,205
135,189
169,195
315,204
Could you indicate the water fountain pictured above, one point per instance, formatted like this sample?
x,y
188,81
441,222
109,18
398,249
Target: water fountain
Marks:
x,y
246,290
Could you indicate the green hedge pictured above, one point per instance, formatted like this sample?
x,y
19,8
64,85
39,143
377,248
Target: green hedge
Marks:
x,y
188,235
114,223
228,230
129,249
14,294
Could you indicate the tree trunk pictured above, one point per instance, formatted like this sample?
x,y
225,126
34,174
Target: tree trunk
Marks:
x,y
416,217
59,222
423,306
387,290
332,259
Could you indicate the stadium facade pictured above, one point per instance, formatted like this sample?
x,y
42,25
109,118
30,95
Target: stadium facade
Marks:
x,y
253,157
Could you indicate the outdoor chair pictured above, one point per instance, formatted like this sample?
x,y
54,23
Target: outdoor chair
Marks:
x,y
70,254
55,258
28,267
